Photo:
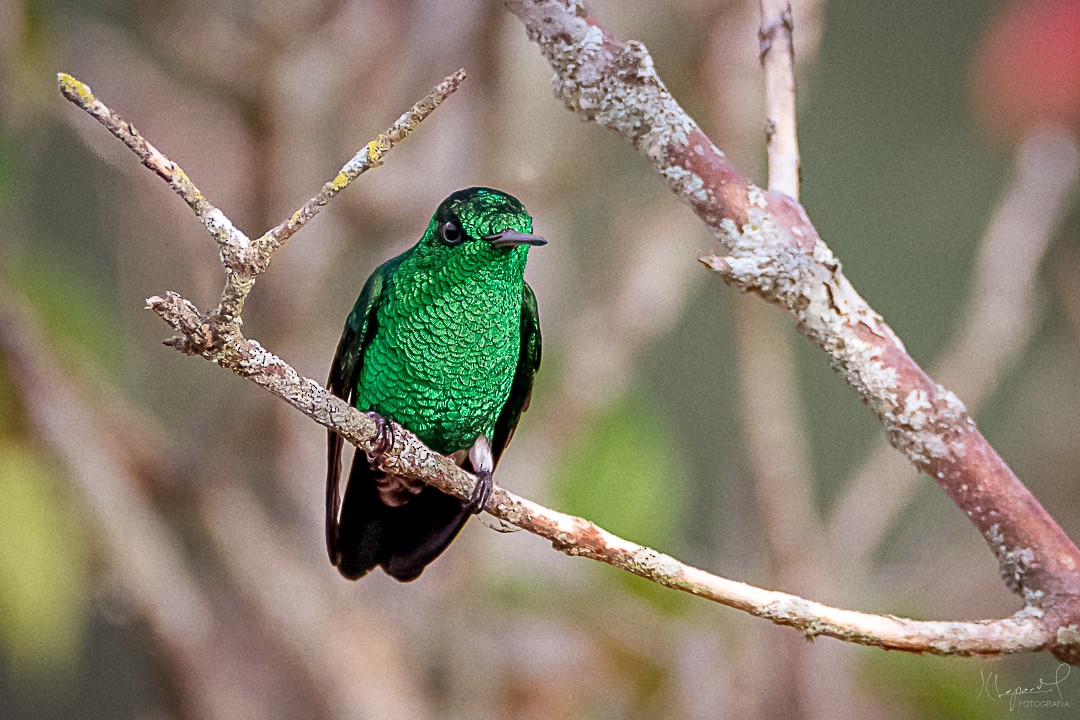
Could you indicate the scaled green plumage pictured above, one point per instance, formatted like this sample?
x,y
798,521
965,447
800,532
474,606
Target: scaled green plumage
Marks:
x,y
445,340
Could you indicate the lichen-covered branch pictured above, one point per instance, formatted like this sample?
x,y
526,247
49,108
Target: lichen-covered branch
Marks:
x,y
370,156
408,457
234,246
576,536
998,322
201,334
243,258
773,250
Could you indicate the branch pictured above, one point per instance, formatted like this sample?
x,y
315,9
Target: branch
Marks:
x,y
778,446
408,457
785,489
778,61
997,324
775,252
243,258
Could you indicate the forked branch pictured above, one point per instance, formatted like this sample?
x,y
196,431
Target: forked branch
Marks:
x,y
217,336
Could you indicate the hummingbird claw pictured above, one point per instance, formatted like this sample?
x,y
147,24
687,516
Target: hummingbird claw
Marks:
x,y
481,494
384,434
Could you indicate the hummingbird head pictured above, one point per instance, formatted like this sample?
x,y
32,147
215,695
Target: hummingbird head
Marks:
x,y
482,224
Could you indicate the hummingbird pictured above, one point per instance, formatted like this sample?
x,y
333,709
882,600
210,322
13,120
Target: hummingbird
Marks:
x,y
445,341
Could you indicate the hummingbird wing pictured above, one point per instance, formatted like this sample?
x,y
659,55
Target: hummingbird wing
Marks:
x,y
344,372
521,388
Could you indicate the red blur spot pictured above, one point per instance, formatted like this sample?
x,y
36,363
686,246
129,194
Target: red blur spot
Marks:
x,y
1027,68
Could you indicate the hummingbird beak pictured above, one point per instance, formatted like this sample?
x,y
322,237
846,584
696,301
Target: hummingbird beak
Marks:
x,y
513,238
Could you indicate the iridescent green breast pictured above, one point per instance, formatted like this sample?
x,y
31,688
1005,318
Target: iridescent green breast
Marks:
x,y
446,348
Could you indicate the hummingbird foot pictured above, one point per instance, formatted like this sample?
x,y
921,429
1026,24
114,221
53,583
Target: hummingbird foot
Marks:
x,y
481,494
384,434
483,464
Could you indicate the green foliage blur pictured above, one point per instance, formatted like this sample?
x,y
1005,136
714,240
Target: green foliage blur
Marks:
x,y
43,600
619,455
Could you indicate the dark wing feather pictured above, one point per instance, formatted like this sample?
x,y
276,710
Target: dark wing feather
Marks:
x,y
521,388
344,373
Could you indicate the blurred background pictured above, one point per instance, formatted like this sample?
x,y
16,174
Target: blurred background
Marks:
x,y
161,547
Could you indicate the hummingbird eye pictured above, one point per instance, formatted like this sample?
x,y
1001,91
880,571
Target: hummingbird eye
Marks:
x,y
451,233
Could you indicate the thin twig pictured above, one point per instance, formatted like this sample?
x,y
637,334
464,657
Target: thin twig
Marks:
x,y
371,156
244,259
576,536
778,449
780,455
778,444
234,245
778,61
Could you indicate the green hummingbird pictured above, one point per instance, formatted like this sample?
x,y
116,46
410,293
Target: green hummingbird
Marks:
x,y
445,340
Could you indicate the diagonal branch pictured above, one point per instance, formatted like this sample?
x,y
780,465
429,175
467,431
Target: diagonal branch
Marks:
x,y
224,345
1000,317
783,479
370,157
410,458
774,251
234,245
786,495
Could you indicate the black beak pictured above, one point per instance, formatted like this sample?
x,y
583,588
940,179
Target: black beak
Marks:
x,y
512,238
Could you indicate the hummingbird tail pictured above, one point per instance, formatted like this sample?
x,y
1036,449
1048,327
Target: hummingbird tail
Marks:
x,y
403,539
420,531
362,528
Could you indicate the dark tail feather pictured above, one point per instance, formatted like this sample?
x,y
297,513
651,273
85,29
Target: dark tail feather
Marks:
x,y
363,527
420,531
405,539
